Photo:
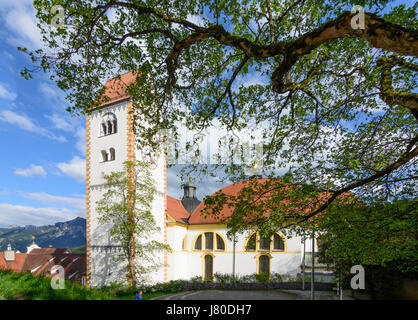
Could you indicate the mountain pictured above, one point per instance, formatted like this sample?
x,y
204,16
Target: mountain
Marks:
x,y
67,234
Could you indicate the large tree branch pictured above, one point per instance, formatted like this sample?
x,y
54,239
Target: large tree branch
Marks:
x,y
378,32
406,156
388,93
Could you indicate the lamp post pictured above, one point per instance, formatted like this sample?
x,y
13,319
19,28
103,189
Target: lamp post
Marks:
x,y
303,264
233,257
313,261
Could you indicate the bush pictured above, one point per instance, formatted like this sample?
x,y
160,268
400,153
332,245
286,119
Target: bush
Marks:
x,y
173,286
247,278
196,279
276,277
262,277
224,278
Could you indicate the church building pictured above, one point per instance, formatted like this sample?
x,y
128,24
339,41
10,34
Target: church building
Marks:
x,y
199,246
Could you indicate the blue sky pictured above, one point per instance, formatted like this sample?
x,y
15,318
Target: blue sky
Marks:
x,y
42,162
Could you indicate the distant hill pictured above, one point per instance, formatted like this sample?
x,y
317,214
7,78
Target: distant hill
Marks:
x,y
69,234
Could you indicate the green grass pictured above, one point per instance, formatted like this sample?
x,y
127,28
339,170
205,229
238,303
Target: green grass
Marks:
x,y
14,286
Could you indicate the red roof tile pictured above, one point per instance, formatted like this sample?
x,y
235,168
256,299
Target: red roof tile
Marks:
x,y
12,265
116,88
235,189
176,210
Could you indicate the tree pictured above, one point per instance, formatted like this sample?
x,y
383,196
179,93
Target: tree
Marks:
x,y
336,102
371,235
382,238
126,207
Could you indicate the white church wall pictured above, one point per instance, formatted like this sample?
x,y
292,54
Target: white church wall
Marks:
x,y
185,264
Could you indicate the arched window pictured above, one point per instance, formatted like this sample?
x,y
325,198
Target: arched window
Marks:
x,y
264,243
112,154
105,156
209,241
278,243
220,243
251,243
198,243
108,124
256,242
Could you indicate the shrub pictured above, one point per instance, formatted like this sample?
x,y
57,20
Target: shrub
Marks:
x,y
262,277
276,277
224,278
196,279
247,278
173,286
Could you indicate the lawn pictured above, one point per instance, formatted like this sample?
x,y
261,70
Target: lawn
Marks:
x,y
15,286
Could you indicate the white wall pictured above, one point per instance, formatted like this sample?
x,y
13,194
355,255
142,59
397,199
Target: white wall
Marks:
x,y
185,264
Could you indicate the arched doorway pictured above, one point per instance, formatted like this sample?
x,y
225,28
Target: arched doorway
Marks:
x,y
208,267
264,264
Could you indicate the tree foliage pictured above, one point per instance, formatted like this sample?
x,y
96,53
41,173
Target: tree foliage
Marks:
x,y
379,235
337,105
126,208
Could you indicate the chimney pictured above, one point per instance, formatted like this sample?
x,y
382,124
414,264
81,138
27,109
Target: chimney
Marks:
x,y
9,254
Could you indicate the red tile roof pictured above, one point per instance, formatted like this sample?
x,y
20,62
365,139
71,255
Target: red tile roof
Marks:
x,y
41,261
12,265
176,210
116,88
233,190
302,205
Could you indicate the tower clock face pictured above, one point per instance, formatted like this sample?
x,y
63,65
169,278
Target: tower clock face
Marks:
x,y
148,156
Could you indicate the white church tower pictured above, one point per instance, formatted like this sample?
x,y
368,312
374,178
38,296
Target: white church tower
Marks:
x,y
110,141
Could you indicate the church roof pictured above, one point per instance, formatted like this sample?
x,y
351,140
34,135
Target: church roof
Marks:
x,y
197,216
233,190
116,88
176,210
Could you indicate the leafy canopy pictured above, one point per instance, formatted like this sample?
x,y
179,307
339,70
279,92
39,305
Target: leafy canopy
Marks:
x,y
336,104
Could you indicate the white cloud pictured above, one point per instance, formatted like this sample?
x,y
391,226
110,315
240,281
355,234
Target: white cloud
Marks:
x,y
33,170
75,169
24,215
60,123
6,93
77,202
25,123
19,19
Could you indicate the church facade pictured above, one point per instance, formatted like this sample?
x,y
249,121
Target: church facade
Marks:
x,y
199,247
